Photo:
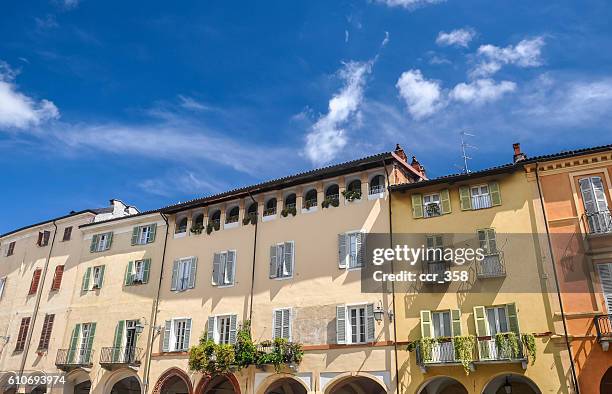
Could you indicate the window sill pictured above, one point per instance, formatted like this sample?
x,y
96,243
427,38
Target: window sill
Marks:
x,y
227,226
223,286
180,235
268,218
283,277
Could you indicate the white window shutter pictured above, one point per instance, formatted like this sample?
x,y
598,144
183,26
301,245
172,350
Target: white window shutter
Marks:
x,y
230,266
233,324
273,261
187,334
342,250
286,332
370,326
175,276
210,329
361,249
193,264
277,329
167,335
288,260
341,324
587,195
605,276
216,269
600,194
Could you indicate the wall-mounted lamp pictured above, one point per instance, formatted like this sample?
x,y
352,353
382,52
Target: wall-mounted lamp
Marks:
x,y
379,312
139,327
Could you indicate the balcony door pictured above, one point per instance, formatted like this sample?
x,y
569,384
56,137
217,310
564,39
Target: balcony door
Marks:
x,y
84,346
497,323
443,351
130,339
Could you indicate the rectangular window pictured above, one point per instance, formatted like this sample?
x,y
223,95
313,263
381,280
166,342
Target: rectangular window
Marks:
x,y
351,249
101,242
177,335
97,276
142,235
139,271
35,281
23,334
281,324
67,234
222,329
85,342
441,324
481,197
57,278
43,238
281,260
431,205
2,284
45,334
11,249
357,319
355,324
184,274
224,264
486,240
498,322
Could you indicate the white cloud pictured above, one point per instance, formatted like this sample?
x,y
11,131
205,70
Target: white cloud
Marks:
x,y
526,53
481,91
17,110
422,97
460,37
410,4
385,41
328,136
192,104
70,3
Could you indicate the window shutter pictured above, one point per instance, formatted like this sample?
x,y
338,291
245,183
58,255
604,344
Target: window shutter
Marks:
x,y
417,206
187,334
101,276
480,321
45,334
23,334
135,233
94,243
340,324
192,272
74,340
45,237
118,342
495,193
600,195
39,242
175,278
92,334
286,332
35,281
342,250
277,329
167,334
152,231
86,275
210,329
110,241
57,277
464,198
146,270
216,269
233,323
67,233
513,323
2,285
605,277
273,261
129,274
361,249
456,322
426,327
371,327
288,260
230,264
445,202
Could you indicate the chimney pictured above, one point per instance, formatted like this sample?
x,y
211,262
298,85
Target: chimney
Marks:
x,y
417,166
400,152
518,155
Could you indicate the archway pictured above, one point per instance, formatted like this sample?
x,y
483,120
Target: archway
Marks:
x,y
606,382
509,382
83,387
356,385
129,385
173,381
219,384
5,386
77,382
443,385
285,386
39,390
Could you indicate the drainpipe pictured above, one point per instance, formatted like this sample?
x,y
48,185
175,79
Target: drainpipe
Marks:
x,y
254,259
41,284
554,265
153,318
397,375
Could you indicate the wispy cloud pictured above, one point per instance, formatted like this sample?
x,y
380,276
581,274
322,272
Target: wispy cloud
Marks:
x,y
70,4
481,91
47,22
422,97
17,110
385,40
458,37
192,104
328,135
409,4
527,53
185,182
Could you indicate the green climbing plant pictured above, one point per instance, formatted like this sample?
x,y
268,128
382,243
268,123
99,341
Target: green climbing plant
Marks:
x,y
464,350
530,346
507,344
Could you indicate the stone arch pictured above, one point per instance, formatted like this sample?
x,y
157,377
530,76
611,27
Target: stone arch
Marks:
x,y
442,385
520,384
205,381
77,379
272,379
359,383
169,374
605,386
116,376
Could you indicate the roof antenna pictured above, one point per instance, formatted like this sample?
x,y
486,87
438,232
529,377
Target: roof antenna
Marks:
x,y
464,155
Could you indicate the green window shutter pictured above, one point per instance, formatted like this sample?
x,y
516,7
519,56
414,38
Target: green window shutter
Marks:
x,y
146,270
94,243
361,249
340,324
426,327
456,322
86,275
102,267
110,241
118,342
135,232
342,250
273,261
167,334
417,206
288,260
464,198
482,330
128,273
495,193
210,329
152,233
513,323
74,340
445,201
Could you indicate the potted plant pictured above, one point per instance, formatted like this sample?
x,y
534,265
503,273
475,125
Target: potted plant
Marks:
x,y
352,195
197,228
288,210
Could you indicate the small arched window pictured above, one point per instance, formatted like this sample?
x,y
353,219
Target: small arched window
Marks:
x,y
377,184
252,211
215,218
198,221
310,199
232,215
270,207
332,191
354,186
290,201
181,226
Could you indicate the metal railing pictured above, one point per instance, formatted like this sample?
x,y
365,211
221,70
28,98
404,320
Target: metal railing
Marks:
x,y
489,350
598,222
120,355
492,266
376,189
481,201
215,222
290,205
74,357
269,211
441,352
232,219
438,267
603,325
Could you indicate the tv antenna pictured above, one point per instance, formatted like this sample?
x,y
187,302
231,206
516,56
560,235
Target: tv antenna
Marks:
x,y
464,146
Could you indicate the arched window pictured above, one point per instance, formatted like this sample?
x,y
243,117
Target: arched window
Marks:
x,y
310,199
181,226
354,186
290,201
252,211
232,215
332,191
270,207
215,217
377,185
198,221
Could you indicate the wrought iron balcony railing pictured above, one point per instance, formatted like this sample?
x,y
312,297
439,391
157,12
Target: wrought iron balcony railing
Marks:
x,y
603,325
269,211
490,350
377,189
492,266
73,358
598,222
441,352
110,356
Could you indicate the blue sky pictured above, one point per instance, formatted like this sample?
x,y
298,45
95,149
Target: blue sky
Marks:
x,y
156,103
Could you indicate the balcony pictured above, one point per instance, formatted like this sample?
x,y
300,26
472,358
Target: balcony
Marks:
x,y
490,351
117,357
598,222
603,325
438,353
69,359
435,265
492,266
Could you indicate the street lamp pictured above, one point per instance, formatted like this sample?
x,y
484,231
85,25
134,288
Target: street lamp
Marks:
x,y
379,312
